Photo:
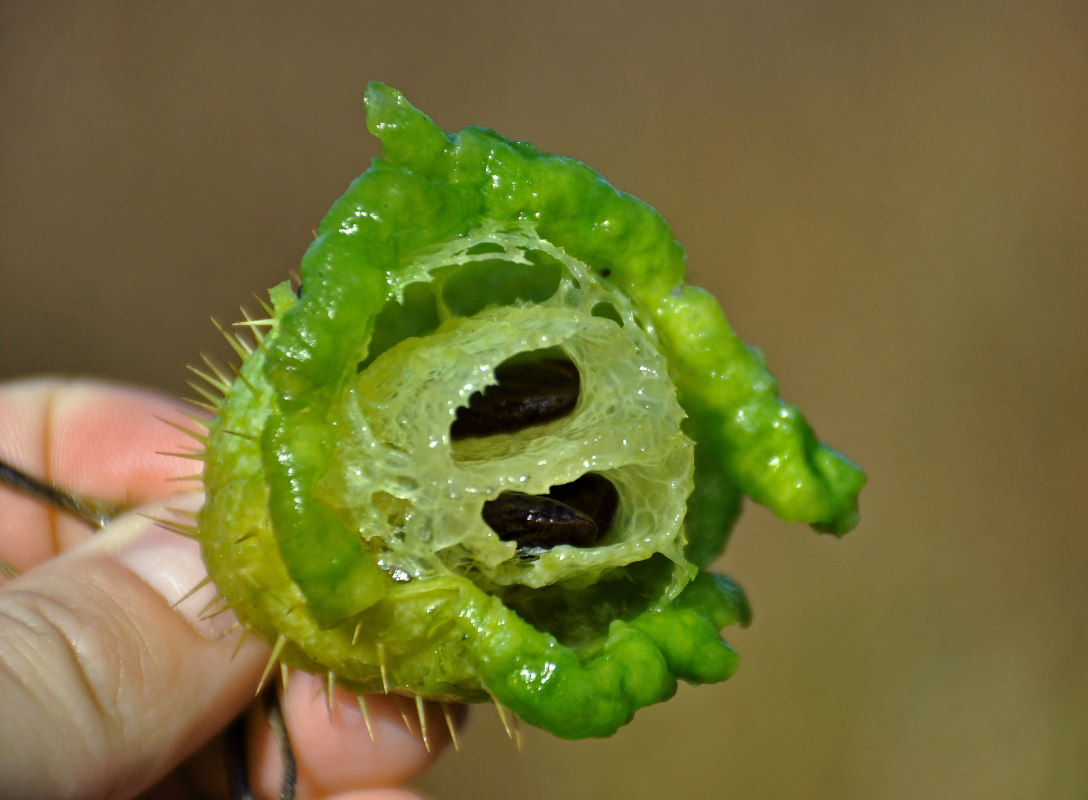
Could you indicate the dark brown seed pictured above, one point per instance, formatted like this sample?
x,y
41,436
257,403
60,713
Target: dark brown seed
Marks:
x,y
593,495
576,513
537,521
525,395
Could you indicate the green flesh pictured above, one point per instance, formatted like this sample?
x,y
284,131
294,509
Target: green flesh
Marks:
x,y
343,522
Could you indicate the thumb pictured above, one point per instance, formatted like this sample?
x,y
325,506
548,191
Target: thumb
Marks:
x,y
105,685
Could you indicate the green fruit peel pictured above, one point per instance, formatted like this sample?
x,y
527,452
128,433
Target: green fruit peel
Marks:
x,y
344,524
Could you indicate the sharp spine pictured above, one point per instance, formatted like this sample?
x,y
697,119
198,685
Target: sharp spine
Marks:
x,y
366,717
451,726
273,658
421,710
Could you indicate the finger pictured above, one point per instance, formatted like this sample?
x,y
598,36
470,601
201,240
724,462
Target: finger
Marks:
x,y
332,743
95,439
97,665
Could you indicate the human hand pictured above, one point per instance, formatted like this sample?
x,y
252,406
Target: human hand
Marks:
x,y
109,689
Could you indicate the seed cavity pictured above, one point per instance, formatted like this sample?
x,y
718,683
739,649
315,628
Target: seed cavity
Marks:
x,y
577,513
526,394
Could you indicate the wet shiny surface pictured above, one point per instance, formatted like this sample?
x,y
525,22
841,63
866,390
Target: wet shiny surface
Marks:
x,y
577,513
890,202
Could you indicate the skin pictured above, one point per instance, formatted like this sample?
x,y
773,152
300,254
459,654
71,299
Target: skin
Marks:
x,y
344,526
108,690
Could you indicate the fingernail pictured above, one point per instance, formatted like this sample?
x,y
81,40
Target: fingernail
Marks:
x,y
170,563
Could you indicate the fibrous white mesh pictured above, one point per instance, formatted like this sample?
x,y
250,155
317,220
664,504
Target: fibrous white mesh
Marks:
x,y
417,497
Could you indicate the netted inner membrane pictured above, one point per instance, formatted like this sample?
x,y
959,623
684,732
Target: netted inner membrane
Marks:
x,y
416,496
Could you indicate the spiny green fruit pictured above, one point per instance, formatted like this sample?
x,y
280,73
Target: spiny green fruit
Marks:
x,y
356,529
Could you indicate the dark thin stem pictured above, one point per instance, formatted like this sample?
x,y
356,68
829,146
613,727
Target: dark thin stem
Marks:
x,y
274,713
93,512
238,761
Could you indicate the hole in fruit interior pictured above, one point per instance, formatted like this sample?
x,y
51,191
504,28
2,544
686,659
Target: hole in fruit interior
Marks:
x,y
578,513
472,287
485,247
608,311
416,316
532,389
580,617
462,290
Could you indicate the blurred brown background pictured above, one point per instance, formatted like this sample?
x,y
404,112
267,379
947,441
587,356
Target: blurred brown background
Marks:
x,y
891,200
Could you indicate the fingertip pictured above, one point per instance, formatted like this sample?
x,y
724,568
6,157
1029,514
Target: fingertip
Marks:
x,y
99,440
106,667
113,442
334,752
